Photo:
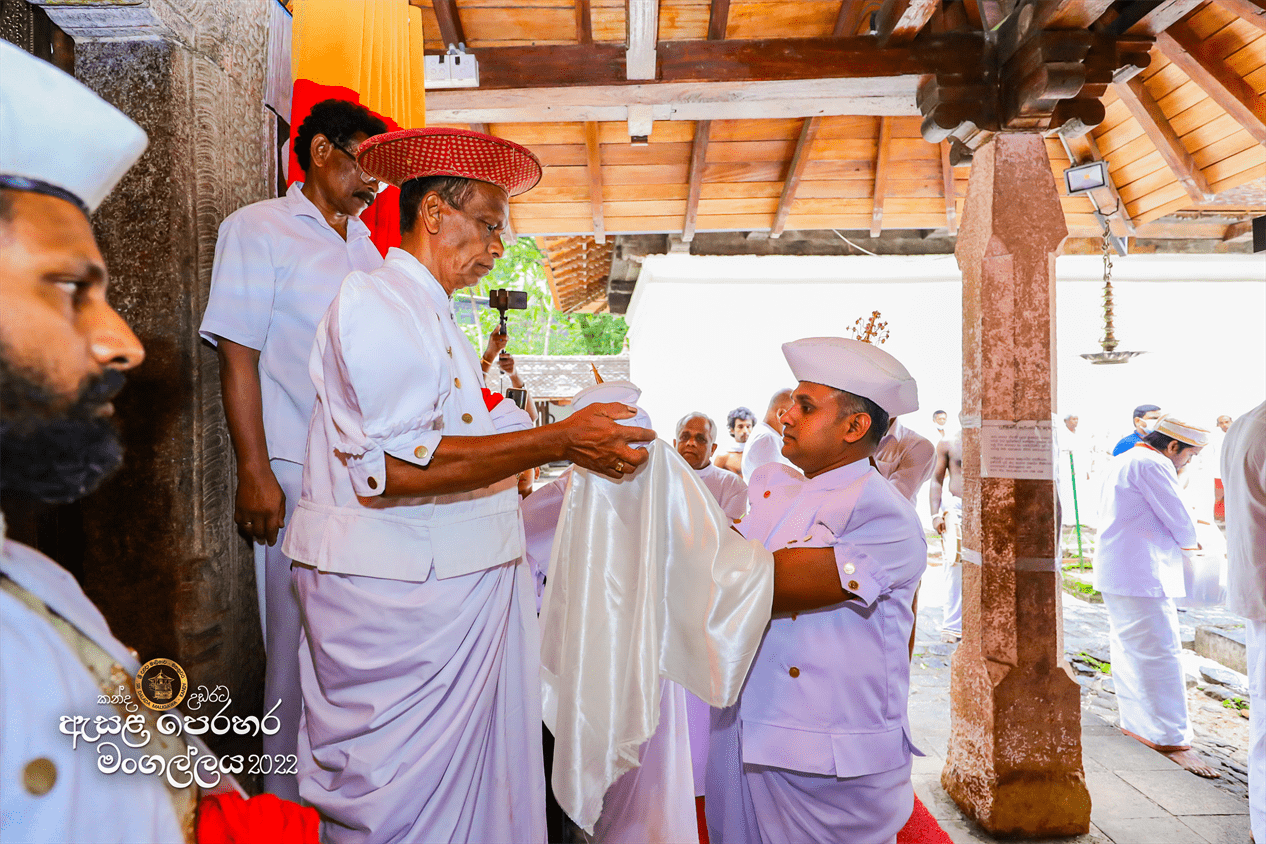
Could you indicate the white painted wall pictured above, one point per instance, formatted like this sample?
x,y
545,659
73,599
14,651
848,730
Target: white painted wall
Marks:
x,y
706,331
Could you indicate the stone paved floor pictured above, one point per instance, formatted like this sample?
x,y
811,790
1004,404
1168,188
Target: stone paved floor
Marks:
x,y
1138,796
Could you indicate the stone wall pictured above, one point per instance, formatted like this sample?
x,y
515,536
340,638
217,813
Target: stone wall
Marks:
x,y
163,560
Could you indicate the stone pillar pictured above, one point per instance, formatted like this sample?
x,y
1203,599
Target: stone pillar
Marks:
x,y
163,560
1014,756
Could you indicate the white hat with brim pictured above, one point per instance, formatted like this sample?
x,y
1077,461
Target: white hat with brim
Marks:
x,y
855,367
1181,431
57,137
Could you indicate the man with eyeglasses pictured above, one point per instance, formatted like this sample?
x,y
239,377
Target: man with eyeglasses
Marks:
x,y
420,657
278,264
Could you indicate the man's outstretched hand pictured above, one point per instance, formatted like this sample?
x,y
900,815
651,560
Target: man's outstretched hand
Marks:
x,y
598,443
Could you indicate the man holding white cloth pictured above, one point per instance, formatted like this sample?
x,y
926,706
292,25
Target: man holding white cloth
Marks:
x,y
1145,531
420,648
818,746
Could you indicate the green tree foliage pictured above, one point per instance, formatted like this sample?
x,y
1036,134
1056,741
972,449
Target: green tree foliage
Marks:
x,y
539,329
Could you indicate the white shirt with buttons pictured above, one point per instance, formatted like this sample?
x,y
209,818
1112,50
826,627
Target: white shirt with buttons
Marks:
x,y
906,459
278,263
394,374
827,691
727,488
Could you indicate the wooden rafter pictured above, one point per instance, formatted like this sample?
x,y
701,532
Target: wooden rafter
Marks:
x,y
718,19
1253,11
1068,14
731,60
450,22
698,160
851,15
479,127
1155,18
595,181
1082,150
795,172
584,23
642,21
1135,96
899,21
1238,231
881,176
1224,86
947,185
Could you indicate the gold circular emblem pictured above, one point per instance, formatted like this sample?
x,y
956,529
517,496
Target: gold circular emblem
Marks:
x,y
161,684
39,776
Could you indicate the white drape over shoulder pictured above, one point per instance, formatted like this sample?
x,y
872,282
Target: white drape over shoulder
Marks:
x,y
647,580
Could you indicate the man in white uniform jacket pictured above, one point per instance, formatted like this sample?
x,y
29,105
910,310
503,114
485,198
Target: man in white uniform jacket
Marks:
x,y
1144,531
1244,480
420,655
818,747
63,352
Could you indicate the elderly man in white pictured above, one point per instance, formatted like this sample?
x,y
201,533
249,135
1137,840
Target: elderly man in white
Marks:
x,y
1145,529
696,442
420,649
1244,477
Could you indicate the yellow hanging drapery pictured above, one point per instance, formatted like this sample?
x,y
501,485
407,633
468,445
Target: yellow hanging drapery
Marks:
x,y
372,47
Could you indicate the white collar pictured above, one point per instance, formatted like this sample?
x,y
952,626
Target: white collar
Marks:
x,y
408,264
840,477
300,206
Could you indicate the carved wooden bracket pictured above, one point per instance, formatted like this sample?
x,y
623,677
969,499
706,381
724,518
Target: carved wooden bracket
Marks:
x,y
1051,81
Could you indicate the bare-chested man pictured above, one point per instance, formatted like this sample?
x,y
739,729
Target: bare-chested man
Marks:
x,y
947,521
740,421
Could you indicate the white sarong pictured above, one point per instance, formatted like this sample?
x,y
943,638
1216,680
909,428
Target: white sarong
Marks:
x,y
1256,641
421,707
647,581
1146,671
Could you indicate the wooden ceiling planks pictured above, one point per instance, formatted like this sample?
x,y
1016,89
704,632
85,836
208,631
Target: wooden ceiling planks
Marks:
x,y
775,174
576,269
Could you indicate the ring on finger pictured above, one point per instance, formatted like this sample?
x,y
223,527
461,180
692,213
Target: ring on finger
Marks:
x,y
619,466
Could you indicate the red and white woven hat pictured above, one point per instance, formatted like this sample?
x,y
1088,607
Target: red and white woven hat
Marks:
x,y
396,157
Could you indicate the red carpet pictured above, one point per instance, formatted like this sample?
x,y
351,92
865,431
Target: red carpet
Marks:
x,y
922,828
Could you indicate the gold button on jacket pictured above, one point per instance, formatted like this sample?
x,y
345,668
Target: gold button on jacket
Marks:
x,y
420,452
793,671
39,776
467,418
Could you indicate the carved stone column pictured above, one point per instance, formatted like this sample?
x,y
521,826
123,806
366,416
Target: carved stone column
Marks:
x,y
1014,757
163,560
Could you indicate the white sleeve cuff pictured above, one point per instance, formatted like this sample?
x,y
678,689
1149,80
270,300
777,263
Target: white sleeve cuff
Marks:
x,y
369,470
859,573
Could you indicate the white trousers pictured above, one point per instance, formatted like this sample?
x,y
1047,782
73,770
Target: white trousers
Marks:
x,y
279,621
422,707
1256,640
953,555
1146,670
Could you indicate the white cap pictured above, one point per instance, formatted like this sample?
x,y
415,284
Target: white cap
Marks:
x,y
624,392
56,136
1181,431
855,367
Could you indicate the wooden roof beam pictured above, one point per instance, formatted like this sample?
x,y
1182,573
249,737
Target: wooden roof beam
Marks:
x,y
795,172
718,20
642,31
1152,18
1068,14
450,22
1253,11
1224,86
1242,230
595,181
730,60
1082,150
1135,96
584,23
852,14
947,186
899,21
881,176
